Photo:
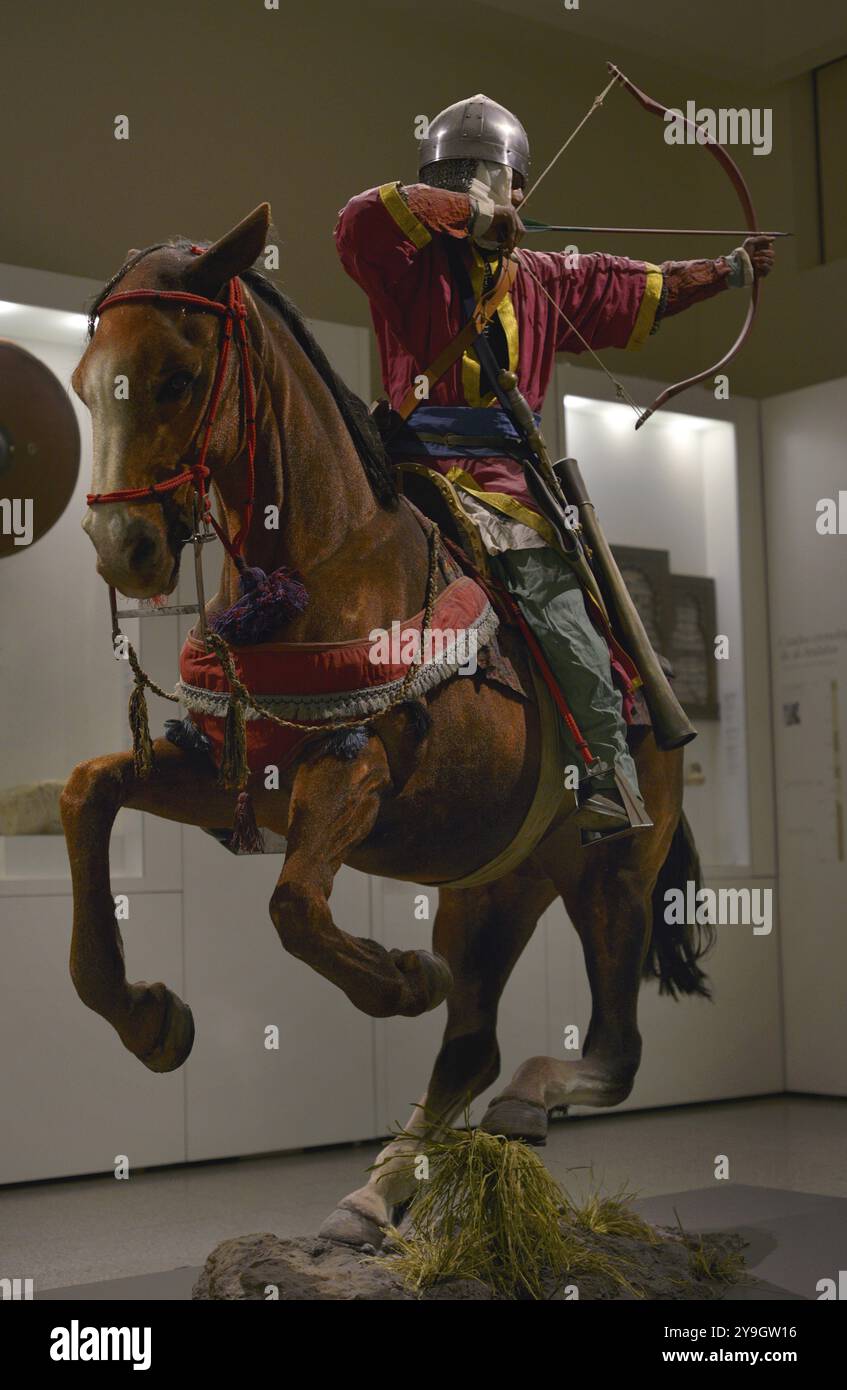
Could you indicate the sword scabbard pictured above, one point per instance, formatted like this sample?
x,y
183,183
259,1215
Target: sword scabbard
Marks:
x,y
547,489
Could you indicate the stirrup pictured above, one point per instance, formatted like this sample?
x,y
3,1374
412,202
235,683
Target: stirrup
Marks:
x,y
622,810
602,810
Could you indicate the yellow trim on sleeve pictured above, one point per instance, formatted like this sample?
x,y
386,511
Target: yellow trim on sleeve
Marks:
x,y
471,370
503,502
647,309
402,214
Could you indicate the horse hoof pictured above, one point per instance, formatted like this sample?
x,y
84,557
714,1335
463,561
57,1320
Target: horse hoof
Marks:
x,y
429,980
176,1036
439,976
516,1119
346,1226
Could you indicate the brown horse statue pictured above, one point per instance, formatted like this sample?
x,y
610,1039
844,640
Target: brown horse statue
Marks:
x,y
426,807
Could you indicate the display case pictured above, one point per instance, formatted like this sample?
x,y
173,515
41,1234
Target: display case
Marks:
x,y
667,497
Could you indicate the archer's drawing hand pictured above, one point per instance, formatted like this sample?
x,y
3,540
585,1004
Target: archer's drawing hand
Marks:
x,y
506,228
761,253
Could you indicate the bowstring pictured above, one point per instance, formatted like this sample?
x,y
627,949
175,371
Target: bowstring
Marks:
x,y
620,390
597,102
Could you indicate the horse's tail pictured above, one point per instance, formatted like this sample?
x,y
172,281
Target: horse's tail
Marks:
x,y
675,949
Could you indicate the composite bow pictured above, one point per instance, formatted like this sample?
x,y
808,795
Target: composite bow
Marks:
x,y
731,169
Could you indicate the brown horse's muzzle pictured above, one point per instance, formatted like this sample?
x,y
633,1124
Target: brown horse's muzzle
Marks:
x,y
135,550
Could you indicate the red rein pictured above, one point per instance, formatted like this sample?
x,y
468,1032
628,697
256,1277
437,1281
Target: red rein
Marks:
x,y
233,312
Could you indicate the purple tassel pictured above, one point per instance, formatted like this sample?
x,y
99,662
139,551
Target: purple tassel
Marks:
x,y
267,601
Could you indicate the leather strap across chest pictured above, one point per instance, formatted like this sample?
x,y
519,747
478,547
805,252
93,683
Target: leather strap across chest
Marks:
x,y
483,311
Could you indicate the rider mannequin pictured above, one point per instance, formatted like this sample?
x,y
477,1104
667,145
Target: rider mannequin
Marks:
x,y
410,248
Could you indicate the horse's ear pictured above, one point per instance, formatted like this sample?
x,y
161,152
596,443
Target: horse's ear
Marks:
x,y
232,254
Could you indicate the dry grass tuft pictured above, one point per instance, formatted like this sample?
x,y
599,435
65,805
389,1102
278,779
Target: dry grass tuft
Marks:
x,y
491,1211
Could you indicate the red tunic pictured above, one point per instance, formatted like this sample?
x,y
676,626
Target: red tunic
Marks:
x,y
395,247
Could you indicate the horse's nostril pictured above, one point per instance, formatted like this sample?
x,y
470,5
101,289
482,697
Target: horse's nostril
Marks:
x,y
142,552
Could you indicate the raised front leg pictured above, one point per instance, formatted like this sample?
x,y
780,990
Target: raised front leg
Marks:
x,y
151,1021
334,806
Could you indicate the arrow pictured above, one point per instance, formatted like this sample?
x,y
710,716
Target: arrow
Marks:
x,y
533,227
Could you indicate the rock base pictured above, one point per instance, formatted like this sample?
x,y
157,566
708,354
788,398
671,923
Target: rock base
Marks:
x,y
263,1267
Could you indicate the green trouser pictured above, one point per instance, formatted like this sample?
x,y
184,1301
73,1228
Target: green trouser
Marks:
x,y
551,600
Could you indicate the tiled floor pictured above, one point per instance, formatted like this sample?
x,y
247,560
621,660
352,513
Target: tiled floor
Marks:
x,y
84,1231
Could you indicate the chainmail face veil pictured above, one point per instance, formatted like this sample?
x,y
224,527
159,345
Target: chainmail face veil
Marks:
x,y
453,174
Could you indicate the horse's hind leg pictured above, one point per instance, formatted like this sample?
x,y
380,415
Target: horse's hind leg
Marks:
x,y
613,926
151,1021
607,891
481,932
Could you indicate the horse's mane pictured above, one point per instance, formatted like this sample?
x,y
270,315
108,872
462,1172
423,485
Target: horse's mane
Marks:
x,y
353,411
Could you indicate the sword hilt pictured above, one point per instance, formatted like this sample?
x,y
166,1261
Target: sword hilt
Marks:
x,y
526,420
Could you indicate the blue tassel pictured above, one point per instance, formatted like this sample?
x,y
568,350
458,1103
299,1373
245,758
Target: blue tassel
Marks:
x,y
267,602
184,733
420,718
347,743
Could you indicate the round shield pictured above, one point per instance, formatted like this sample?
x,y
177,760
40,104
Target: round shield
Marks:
x,y
39,448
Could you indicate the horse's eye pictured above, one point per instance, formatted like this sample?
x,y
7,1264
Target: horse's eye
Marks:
x,y
177,385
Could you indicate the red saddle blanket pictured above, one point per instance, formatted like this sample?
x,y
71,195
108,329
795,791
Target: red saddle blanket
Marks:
x,y
319,682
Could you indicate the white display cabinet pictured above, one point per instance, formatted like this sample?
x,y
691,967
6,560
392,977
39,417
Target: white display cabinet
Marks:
x,y
688,484
672,488
248,1090
72,1097
804,451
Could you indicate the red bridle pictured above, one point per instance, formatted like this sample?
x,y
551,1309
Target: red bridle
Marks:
x,y
233,312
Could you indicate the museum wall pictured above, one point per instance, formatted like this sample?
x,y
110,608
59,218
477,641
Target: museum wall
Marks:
x,y
805,474
230,103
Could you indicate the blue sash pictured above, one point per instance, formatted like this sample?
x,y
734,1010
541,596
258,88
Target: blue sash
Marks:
x,y
457,431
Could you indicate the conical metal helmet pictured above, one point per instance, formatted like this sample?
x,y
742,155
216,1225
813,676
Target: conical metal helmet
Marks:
x,y
476,128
